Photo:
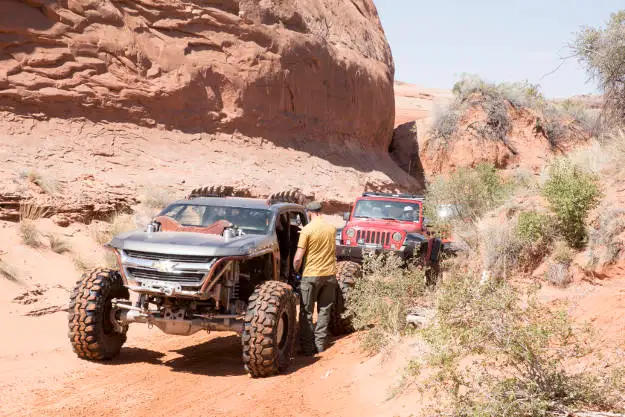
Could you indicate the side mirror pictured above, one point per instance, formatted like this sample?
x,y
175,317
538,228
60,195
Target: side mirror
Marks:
x,y
346,215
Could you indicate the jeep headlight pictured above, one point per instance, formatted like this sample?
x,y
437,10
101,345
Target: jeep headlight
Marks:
x,y
397,236
350,233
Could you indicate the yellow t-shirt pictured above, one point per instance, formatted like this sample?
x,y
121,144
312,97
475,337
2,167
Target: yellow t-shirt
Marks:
x,y
318,239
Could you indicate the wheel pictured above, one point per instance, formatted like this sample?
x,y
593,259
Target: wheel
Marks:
x,y
269,329
92,332
347,274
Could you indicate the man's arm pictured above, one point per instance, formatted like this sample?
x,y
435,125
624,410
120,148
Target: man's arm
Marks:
x,y
299,257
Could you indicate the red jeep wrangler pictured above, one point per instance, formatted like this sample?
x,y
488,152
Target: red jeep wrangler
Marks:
x,y
378,223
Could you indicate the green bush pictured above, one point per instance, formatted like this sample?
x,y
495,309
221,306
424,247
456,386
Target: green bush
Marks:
x,y
571,193
537,233
535,227
518,351
381,298
473,192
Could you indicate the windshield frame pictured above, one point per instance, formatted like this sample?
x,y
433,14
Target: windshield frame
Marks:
x,y
414,203
246,230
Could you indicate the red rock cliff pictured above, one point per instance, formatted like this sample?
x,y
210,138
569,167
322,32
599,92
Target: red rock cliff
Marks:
x,y
282,69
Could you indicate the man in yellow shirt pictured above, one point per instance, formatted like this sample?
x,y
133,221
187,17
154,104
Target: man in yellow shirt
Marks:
x,y
317,243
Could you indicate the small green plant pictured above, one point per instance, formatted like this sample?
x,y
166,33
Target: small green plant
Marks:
x,y
518,350
537,233
381,298
571,193
58,245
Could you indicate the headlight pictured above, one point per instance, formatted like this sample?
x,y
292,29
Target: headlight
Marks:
x,y
396,236
350,233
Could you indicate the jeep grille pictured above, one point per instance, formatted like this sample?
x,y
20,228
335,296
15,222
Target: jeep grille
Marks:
x,y
372,236
166,276
174,258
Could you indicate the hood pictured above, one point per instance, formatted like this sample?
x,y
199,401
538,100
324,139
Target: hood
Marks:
x,y
189,243
388,225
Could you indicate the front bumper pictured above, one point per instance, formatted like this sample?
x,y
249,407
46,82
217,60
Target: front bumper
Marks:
x,y
357,253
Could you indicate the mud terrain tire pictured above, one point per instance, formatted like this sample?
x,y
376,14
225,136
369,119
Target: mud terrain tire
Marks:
x,y
91,331
269,329
347,274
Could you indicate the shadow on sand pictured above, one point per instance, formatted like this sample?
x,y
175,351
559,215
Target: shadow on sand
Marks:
x,y
220,356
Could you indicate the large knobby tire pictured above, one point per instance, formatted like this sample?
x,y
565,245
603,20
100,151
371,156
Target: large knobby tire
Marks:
x,y
91,331
269,329
347,274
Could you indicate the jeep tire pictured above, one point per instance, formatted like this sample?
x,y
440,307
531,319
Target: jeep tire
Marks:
x,y
347,274
92,333
269,329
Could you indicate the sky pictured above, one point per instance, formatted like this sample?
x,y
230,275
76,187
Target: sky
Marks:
x,y
435,41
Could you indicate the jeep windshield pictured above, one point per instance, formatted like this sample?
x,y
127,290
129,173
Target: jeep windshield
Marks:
x,y
388,210
251,221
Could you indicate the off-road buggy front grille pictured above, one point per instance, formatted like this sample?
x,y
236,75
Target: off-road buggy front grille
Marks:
x,y
139,273
168,257
373,236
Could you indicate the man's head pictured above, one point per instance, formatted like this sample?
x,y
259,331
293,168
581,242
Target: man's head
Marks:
x,y
313,209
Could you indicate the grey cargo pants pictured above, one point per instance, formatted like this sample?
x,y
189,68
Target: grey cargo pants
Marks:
x,y
321,290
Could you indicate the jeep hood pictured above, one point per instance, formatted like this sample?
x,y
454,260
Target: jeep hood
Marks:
x,y
189,243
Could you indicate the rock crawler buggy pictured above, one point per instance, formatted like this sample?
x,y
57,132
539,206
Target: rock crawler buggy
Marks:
x,y
211,262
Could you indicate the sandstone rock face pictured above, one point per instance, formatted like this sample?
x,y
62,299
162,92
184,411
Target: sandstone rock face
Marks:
x,y
314,69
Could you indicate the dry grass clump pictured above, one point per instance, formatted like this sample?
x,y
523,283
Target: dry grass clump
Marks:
x,y
7,271
29,214
117,224
558,268
500,246
605,237
156,198
58,244
44,181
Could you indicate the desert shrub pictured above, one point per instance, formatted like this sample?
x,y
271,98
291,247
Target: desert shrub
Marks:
x,y
382,297
602,51
558,267
45,181
571,193
29,233
550,124
444,125
604,237
117,224
156,198
519,94
472,192
518,350
58,244
29,214
537,233
500,246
